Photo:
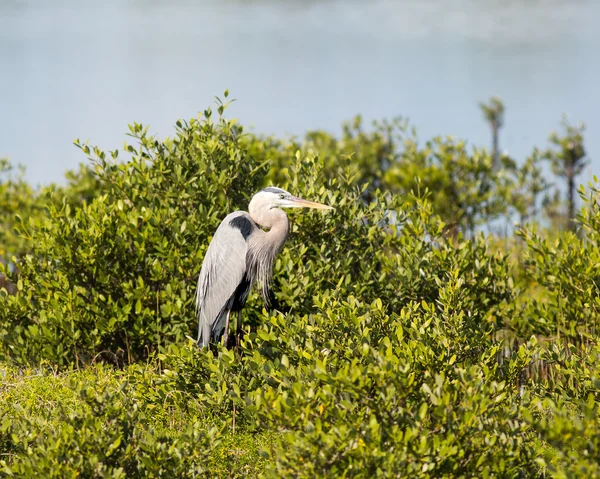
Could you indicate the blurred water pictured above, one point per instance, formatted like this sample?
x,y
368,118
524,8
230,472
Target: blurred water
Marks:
x,y
75,68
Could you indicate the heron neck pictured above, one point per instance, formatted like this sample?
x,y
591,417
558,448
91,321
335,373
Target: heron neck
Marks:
x,y
276,221
279,230
264,246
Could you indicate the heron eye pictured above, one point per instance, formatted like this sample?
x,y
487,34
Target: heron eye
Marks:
x,y
282,196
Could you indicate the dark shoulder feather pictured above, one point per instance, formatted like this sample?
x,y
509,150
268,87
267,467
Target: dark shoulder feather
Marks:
x,y
244,224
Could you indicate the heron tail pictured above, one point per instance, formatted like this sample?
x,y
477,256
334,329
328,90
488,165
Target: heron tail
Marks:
x,y
204,333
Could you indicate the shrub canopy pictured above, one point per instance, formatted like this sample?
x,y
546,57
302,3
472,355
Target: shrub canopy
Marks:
x,y
402,340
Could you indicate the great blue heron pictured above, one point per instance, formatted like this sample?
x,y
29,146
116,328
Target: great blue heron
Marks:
x,y
240,253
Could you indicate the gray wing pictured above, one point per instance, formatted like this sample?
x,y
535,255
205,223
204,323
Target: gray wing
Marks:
x,y
222,271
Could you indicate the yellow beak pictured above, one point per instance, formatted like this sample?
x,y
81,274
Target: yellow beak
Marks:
x,y
296,202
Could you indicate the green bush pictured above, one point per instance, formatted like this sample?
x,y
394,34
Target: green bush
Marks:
x,y
101,423
395,346
16,198
116,276
567,267
363,394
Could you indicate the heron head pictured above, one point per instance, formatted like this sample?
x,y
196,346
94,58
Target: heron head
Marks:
x,y
273,197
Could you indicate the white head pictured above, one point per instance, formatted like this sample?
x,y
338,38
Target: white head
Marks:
x,y
265,205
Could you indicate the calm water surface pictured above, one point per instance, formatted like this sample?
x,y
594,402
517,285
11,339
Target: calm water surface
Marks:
x,y
74,68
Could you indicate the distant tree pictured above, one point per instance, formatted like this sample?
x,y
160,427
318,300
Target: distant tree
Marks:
x,y
494,115
568,159
530,183
553,208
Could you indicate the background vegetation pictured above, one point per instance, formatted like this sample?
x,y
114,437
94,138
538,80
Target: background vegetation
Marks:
x,y
440,323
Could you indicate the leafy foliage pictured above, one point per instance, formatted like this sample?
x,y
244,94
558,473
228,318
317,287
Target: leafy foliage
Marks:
x,y
402,342
98,423
121,268
16,197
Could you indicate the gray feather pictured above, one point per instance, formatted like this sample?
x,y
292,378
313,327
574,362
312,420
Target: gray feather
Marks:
x,y
261,256
223,269
274,189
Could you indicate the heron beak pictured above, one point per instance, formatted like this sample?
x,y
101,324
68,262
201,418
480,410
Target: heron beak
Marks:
x,y
296,202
